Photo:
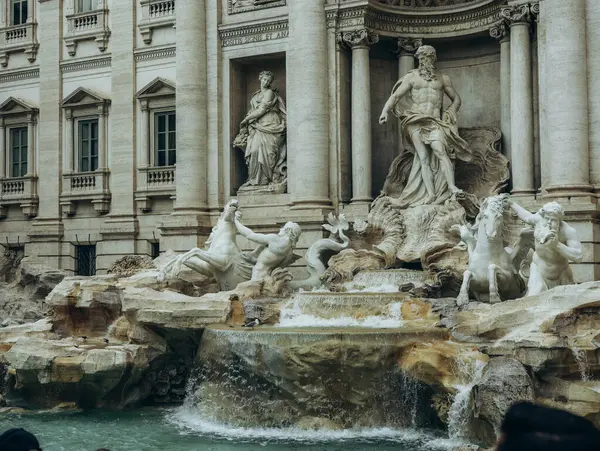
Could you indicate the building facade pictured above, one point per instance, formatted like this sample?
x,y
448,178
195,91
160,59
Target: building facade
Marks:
x,y
118,118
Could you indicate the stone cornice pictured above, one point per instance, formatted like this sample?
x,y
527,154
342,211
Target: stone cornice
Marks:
x,y
20,74
85,64
460,20
155,53
240,34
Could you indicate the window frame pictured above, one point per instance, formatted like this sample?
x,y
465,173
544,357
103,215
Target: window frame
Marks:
x,y
79,6
23,151
154,160
11,12
78,155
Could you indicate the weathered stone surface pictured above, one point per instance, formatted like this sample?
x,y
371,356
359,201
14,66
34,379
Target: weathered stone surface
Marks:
x,y
131,264
22,295
504,382
169,309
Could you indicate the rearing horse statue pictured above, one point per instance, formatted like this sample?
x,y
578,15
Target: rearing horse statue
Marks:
x,y
493,268
221,257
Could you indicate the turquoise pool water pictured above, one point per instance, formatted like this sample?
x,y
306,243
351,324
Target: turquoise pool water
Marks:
x,y
180,430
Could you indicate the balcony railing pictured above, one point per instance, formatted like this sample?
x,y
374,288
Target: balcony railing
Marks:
x,y
20,191
85,187
154,182
91,25
18,38
156,14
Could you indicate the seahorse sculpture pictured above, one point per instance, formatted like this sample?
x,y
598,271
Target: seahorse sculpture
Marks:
x,y
323,248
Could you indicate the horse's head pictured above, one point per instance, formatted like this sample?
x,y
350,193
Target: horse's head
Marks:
x,y
491,216
229,211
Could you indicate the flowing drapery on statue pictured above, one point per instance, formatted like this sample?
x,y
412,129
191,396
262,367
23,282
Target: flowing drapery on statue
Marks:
x,y
425,170
262,137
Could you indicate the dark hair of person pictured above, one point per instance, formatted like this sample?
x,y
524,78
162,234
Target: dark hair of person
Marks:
x,y
18,439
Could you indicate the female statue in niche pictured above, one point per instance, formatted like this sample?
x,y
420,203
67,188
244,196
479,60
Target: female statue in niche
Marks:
x,y
262,137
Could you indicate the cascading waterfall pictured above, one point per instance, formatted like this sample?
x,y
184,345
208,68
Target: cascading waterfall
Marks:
x,y
459,414
583,363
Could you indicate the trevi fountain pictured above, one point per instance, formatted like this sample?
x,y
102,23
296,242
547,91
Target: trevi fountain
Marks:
x,y
411,324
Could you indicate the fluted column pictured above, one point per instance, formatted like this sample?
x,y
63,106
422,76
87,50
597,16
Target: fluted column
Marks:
x,y
308,96
501,32
144,139
567,110
30,145
359,41
521,99
191,105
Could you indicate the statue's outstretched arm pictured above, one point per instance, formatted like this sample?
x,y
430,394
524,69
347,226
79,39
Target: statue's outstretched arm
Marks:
x,y
524,215
403,89
572,249
252,236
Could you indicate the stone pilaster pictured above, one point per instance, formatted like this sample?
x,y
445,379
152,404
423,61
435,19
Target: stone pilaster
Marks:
x,y
501,32
47,229
521,99
359,41
593,67
189,223
567,110
307,91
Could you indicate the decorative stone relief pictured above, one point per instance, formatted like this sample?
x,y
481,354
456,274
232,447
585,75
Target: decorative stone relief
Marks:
x,y
556,244
516,14
409,45
233,35
242,6
262,138
500,31
359,38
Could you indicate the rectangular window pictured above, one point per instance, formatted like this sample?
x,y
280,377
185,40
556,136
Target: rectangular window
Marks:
x,y
164,138
155,252
18,146
88,145
18,11
86,260
85,6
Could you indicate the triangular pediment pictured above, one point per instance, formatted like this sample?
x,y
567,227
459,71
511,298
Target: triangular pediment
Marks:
x,y
159,87
82,96
13,105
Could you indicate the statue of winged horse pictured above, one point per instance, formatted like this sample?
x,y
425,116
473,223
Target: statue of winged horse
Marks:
x,y
493,268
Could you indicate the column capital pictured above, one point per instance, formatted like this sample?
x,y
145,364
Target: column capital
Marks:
x,y
358,38
409,45
535,11
500,31
516,14
68,114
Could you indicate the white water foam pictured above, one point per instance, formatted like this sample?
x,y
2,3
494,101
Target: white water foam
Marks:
x,y
292,316
189,421
583,363
460,412
351,287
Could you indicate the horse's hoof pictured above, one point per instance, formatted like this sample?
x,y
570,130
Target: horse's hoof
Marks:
x,y
462,300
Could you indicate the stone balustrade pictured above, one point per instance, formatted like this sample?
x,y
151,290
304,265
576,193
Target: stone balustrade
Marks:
x,y
91,25
20,191
85,187
154,182
18,38
155,14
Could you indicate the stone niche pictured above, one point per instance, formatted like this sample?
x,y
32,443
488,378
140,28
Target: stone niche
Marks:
x,y
244,83
473,64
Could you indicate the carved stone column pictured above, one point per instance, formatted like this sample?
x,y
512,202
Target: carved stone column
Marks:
x,y
308,95
30,145
69,164
192,108
144,139
406,54
359,41
501,32
567,110
2,149
521,99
